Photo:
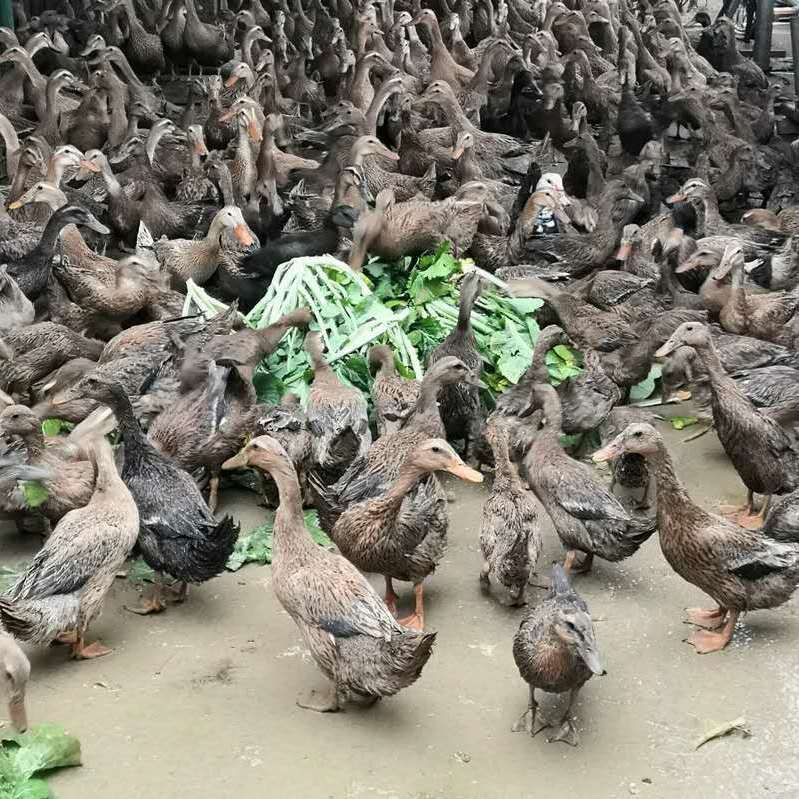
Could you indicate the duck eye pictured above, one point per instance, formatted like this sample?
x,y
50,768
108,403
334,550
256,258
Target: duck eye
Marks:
x,y
637,434
436,449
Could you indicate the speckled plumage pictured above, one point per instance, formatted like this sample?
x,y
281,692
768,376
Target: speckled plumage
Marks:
x,y
64,586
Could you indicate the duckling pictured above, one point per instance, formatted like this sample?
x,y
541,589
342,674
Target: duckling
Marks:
x,y
63,588
16,669
354,639
510,532
394,396
555,650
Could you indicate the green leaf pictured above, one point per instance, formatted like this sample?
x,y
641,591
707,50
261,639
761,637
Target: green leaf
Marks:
x,y
41,749
140,572
34,493
681,422
54,427
256,546
646,387
9,575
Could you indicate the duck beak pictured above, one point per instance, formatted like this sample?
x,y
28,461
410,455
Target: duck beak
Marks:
x,y
97,226
588,652
609,452
200,148
13,206
252,131
89,166
240,461
623,252
243,236
669,347
17,712
675,198
464,472
391,155
228,115
457,152
231,81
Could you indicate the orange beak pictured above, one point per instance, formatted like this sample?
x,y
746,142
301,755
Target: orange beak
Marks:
x,y
457,152
623,252
242,234
676,198
464,472
252,130
231,81
90,165
200,148
608,453
227,116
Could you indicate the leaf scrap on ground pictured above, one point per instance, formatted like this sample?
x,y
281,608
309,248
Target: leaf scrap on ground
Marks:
x,y
23,756
725,728
34,493
681,422
256,546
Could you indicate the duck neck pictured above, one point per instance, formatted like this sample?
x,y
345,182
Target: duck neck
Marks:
x,y
408,477
673,501
291,537
553,415
479,82
125,68
376,107
504,474
38,81
34,443
107,481
20,179
11,141
719,379
133,438
226,185
50,235
111,182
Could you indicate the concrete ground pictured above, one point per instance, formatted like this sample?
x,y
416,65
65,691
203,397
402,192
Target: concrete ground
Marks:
x,y
200,701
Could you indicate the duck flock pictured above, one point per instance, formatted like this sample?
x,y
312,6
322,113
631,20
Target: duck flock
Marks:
x,y
618,160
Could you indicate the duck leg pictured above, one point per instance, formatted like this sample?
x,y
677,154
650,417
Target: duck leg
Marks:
x,y
179,592
328,704
531,720
80,651
739,514
390,598
213,492
154,603
754,521
416,619
709,619
573,564
567,732
705,641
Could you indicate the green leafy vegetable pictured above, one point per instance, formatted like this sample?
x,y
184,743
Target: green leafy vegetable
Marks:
x,y
256,546
34,493
54,427
646,387
9,575
41,749
140,572
681,422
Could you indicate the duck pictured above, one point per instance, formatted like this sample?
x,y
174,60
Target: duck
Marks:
x,y
337,416
460,404
767,316
764,454
287,423
177,534
741,569
587,518
186,259
394,396
16,310
556,651
17,670
510,528
368,476
71,482
354,639
402,538
62,590
33,352
33,271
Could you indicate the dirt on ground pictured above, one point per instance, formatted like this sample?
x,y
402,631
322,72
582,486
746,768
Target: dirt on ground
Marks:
x,y
200,701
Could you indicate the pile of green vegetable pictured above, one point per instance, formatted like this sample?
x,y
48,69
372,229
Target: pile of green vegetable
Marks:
x,y
411,305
